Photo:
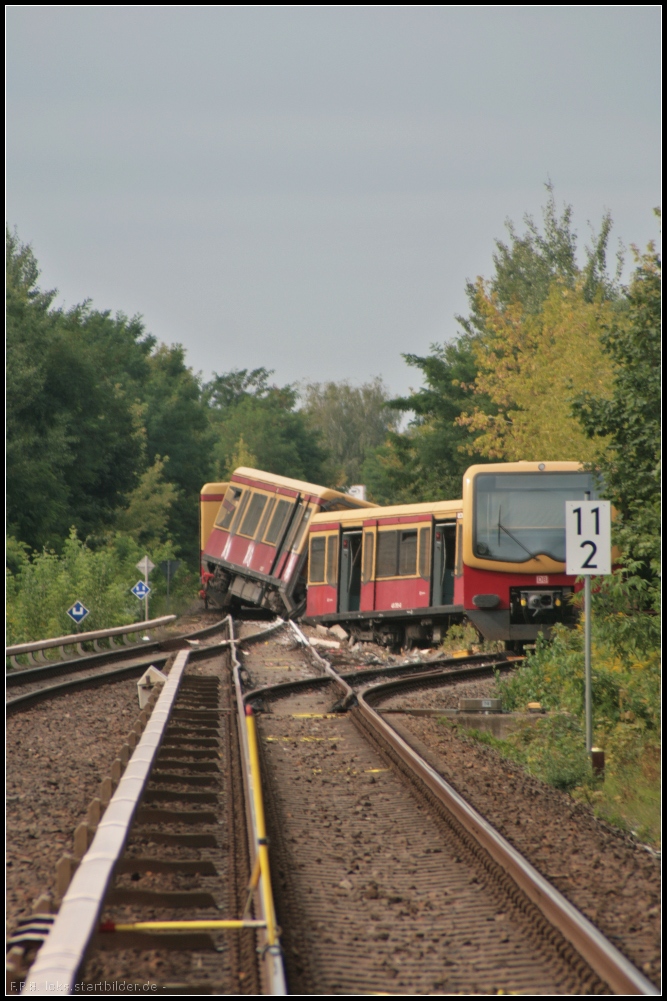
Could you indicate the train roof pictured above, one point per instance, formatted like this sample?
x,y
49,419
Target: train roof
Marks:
x,y
526,466
214,488
301,486
439,509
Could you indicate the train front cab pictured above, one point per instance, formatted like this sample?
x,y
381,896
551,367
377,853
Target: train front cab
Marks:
x,y
255,551
514,580
390,574
210,498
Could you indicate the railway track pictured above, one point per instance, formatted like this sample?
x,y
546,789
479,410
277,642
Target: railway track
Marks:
x,y
171,846
385,881
29,685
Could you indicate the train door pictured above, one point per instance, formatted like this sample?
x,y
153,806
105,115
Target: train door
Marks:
x,y
444,551
287,533
350,572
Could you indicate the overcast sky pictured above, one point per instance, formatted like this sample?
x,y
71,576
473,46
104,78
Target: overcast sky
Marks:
x,y
308,188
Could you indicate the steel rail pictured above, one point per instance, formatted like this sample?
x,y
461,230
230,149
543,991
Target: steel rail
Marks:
x,y
56,968
351,677
83,661
271,955
596,950
603,957
91,680
135,667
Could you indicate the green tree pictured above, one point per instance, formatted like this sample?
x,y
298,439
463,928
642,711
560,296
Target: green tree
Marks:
x,y
245,405
428,460
630,418
94,405
531,366
176,419
352,421
146,517
628,426
74,446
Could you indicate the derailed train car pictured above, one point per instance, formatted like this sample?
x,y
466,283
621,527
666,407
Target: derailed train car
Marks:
x,y
255,548
496,557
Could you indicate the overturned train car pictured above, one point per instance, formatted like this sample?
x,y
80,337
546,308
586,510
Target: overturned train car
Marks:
x,y
254,536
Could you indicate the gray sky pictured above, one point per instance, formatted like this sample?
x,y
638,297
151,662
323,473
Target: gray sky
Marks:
x,y
309,187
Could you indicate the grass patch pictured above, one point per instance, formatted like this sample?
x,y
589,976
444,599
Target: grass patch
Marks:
x,y
464,636
626,724
552,749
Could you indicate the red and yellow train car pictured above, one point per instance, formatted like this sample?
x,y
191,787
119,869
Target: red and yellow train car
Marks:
x,y
497,557
514,580
392,574
256,548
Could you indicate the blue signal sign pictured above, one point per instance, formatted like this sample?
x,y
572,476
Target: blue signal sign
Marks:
x,y
141,590
78,612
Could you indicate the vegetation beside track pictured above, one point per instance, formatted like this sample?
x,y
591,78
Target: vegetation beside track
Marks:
x,y
41,588
626,718
624,428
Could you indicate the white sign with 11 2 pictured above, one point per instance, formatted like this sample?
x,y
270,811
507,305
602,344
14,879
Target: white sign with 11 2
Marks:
x,y
587,538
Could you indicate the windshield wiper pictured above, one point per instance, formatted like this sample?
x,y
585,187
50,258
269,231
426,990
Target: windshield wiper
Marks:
x,y
514,539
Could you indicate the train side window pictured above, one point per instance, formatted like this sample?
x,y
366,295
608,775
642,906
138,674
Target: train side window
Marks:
x,y
277,525
332,560
425,553
407,555
387,554
367,573
265,518
240,511
253,514
228,507
318,545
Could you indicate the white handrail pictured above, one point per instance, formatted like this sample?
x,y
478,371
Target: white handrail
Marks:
x,y
97,634
58,961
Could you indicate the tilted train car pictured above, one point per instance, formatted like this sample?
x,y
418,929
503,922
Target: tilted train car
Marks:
x,y
256,549
210,499
390,574
402,574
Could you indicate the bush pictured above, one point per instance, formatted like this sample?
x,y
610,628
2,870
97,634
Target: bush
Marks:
x,y
41,587
626,717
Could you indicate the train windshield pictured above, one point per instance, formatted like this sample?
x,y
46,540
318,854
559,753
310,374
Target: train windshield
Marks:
x,y
522,515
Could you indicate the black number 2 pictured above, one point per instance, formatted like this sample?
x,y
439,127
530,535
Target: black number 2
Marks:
x,y
594,549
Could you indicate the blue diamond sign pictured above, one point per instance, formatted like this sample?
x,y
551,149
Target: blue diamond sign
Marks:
x,y
78,612
141,590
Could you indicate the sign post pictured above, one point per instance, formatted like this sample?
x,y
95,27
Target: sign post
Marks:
x,y
588,554
145,566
